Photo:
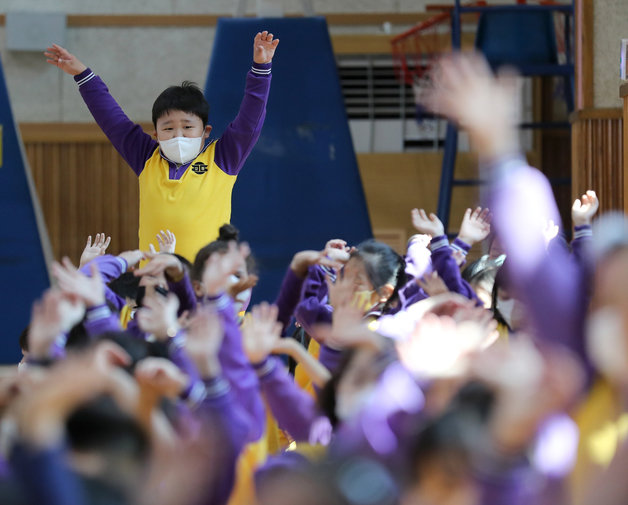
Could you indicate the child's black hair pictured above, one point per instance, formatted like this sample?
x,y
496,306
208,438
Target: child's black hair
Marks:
x,y
24,339
227,233
482,273
187,265
126,285
102,428
500,282
383,266
101,425
187,97
450,439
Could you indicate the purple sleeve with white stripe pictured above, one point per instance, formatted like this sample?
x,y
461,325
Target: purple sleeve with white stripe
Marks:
x,y
237,369
288,297
239,138
223,417
293,408
127,137
549,283
110,267
581,248
99,320
313,308
184,291
447,268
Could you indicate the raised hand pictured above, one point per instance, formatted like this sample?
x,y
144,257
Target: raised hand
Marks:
x,y
41,414
432,284
530,383
167,264
260,332
305,259
348,328
50,316
466,91
550,231
203,340
220,266
62,58
337,250
584,209
166,241
161,376
72,282
429,225
98,248
158,315
475,226
132,258
264,47
441,346
244,283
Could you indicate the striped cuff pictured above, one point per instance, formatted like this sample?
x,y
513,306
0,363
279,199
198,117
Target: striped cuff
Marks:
x,y
97,313
261,68
123,263
219,302
460,246
210,389
438,243
329,272
216,387
196,394
265,367
582,231
176,342
84,77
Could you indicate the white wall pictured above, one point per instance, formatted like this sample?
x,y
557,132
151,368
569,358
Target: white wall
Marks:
x,y
137,63
610,26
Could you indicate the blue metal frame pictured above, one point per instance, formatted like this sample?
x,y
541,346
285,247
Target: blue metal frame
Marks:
x,y
447,180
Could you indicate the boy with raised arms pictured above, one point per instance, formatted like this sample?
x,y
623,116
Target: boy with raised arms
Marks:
x,y
185,181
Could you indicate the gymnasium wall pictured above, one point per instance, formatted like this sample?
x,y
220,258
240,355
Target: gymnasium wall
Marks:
x,y
610,19
85,187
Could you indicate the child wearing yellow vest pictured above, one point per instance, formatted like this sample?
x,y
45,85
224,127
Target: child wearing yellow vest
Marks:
x,y
185,181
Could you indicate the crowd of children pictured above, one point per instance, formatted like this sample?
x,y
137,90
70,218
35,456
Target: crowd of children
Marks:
x,y
416,380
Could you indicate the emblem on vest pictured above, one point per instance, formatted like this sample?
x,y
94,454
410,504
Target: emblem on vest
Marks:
x,y
199,168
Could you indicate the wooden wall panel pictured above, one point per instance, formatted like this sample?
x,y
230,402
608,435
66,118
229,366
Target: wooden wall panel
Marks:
x,y
395,183
84,188
597,156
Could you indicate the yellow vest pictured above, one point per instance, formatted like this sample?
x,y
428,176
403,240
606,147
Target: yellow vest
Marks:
x,y
193,207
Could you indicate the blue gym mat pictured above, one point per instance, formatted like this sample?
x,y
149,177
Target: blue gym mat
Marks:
x,y
300,186
22,264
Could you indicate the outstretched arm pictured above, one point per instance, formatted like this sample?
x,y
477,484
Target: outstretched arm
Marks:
x,y
127,137
443,260
582,213
547,282
241,135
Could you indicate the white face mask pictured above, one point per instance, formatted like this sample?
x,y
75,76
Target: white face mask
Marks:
x,y
606,343
181,149
242,299
506,308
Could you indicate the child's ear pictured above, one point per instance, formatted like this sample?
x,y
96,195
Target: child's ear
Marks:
x,y
198,289
155,134
385,292
208,130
